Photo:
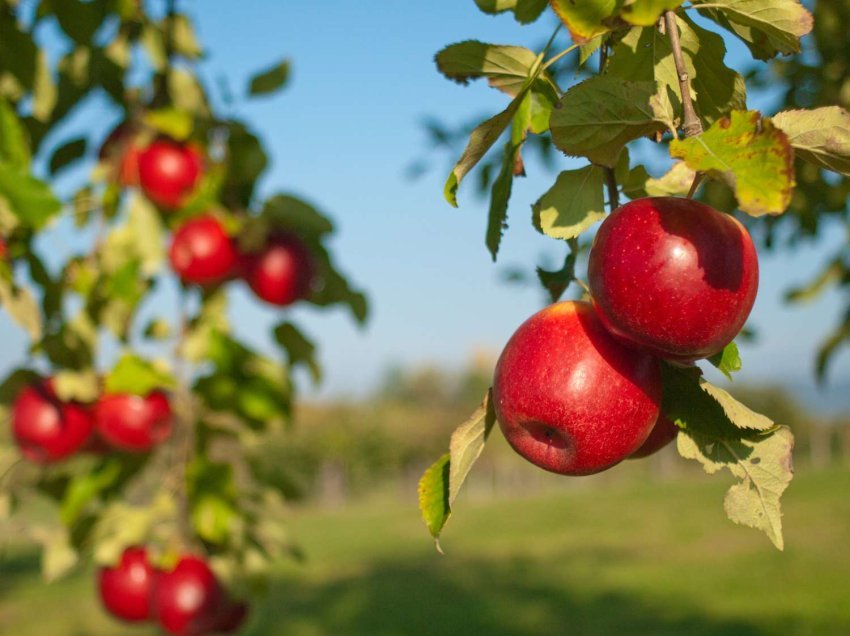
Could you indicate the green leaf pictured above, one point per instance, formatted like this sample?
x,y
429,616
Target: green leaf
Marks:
x,y
137,376
831,274
22,307
14,149
767,27
720,432
58,558
78,386
80,20
525,11
67,153
589,48
646,55
646,12
187,94
44,92
556,282
499,196
676,182
599,116
298,348
750,154
434,497
585,19
185,40
84,487
441,483
213,518
506,67
158,329
480,141
270,80
284,211
29,199
820,136
727,361
574,203
174,123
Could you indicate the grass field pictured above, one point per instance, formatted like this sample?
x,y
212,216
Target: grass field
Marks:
x,y
632,558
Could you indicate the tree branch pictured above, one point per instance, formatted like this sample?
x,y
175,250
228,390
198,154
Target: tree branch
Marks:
x,y
691,124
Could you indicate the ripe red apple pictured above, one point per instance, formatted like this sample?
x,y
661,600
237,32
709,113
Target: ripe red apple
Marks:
x,y
282,271
126,588
120,149
202,252
673,276
169,172
571,398
46,429
131,422
188,599
662,433
231,618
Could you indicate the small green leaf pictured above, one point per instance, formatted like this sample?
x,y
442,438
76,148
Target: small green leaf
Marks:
x,y
525,11
727,361
187,94
44,91
750,154
820,136
185,41
158,329
500,194
14,149
466,444
284,211
574,203
83,488
585,19
137,376
767,27
58,558
213,518
29,199
298,348
270,80
506,67
556,282
79,386
434,496
22,307
177,124
67,153
599,116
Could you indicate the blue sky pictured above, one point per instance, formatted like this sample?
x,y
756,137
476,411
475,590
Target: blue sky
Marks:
x,y
342,135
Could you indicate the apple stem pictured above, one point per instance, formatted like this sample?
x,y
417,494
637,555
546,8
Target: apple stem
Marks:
x,y
691,124
610,177
694,185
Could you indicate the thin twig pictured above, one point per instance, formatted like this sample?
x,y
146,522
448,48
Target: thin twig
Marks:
x,y
691,124
694,185
610,177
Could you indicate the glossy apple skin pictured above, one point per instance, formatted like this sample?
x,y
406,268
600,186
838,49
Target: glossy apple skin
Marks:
x,y
46,429
133,423
169,172
673,276
188,600
282,271
569,397
120,148
202,252
126,589
664,432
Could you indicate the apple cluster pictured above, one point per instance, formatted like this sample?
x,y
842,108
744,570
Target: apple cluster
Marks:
x,y
202,251
578,386
48,429
186,600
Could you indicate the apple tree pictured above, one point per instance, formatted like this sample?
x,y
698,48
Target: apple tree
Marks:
x,y
133,425
640,93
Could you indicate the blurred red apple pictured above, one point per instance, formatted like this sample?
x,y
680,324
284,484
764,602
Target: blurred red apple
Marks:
x,y
131,422
231,618
120,149
187,601
663,433
673,276
46,429
282,271
571,398
202,252
169,172
126,588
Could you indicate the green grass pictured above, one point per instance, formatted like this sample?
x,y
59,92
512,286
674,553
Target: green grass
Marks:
x,y
636,558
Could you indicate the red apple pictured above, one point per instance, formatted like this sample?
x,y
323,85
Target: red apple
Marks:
x,y
187,601
571,398
673,276
120,149
282,272
231,618
125,589
202,252
131,422
169,172
46,429
663,433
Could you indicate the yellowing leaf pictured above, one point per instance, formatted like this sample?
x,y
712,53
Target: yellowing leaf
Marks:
x,y
675,182
820,136
525,11
599,116
585,19
646,12
750,154
572,205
